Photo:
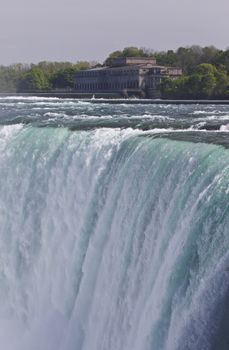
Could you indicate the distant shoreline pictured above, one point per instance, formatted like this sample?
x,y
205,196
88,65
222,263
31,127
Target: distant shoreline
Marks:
x,y
112,99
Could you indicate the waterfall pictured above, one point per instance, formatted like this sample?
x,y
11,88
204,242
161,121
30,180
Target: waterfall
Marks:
x,y
112,239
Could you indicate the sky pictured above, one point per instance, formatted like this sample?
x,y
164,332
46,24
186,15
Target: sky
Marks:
x,y
74,30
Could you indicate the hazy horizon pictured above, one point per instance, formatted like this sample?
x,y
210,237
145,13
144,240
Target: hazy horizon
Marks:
x,y
74,31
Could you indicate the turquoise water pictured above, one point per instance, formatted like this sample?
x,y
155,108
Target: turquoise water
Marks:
x,y
113,236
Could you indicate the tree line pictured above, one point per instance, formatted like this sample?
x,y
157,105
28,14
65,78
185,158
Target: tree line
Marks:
x,y
205,72
44,76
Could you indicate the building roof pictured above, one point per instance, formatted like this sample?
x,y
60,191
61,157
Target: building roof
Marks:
x,y
129,67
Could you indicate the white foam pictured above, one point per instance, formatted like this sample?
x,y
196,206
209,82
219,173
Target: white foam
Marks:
x,y
224,127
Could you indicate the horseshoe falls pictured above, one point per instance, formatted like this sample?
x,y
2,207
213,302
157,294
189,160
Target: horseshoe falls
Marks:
x,y
114,226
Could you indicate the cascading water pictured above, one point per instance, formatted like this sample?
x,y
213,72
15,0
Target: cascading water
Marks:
x,y
113,238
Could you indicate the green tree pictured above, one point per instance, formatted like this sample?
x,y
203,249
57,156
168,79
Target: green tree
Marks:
x,y
9,77
33,80
64,79
222,82
206,76
223,59
174,88
168,58
206,82
126,52
111,57
133,52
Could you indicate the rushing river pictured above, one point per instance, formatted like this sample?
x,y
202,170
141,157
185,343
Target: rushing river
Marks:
x,y
114,226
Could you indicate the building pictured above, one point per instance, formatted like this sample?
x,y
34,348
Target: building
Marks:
x,y
127,76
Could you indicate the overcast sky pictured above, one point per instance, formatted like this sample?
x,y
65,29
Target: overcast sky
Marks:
x,y
37,30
